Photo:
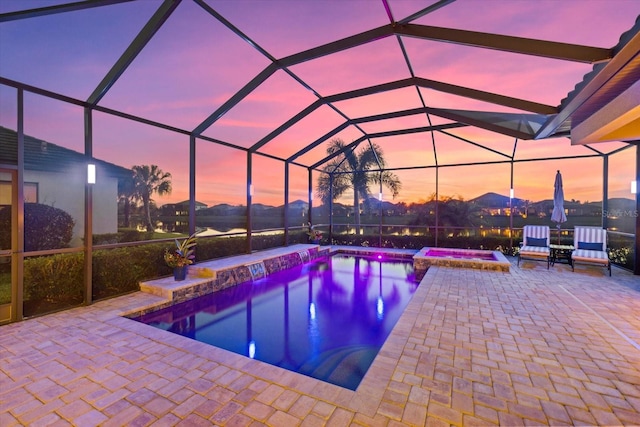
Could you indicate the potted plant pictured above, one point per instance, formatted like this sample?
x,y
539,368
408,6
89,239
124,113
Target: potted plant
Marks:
x,y
181,257
314,235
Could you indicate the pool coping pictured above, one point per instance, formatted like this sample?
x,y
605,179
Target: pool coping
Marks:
x,y
422,261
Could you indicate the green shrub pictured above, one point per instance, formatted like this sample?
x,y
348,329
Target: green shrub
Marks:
x,y
133,235
120,270
621,250
57,281
45,227
219,247
5,282
122,236
53,282
106,239
267,241
5,224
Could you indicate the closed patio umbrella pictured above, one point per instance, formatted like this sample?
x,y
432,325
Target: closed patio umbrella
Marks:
x,y
558,214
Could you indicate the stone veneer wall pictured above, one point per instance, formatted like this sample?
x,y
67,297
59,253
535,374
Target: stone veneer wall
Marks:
x,y
235,275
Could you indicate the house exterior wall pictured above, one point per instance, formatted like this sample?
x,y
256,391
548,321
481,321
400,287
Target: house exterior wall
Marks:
x,y
66,191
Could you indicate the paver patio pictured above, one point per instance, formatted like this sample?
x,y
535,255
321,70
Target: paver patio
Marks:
x,y
528,347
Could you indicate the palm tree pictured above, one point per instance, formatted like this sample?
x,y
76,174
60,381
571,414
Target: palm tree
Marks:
x,y
350,170
126,198
149,180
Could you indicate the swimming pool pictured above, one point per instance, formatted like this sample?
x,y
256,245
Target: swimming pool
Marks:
x,y
326,319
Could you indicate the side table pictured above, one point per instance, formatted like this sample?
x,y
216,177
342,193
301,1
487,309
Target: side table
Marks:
x,y
561,253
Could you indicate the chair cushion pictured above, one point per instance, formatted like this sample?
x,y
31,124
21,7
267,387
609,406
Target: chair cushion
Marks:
x,y
534,250
600,257
590,246
542,242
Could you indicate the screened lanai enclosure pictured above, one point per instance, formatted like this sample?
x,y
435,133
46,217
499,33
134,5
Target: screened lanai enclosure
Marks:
x,y
258,124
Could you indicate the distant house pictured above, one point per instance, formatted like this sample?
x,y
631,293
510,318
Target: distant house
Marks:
x,y
174,216
57,176
226,209
494,204
180,208
544,208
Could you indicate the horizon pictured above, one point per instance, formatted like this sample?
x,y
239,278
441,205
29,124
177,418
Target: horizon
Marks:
x,y
387,201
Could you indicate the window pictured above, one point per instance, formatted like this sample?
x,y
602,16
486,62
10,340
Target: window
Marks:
x,y
30,192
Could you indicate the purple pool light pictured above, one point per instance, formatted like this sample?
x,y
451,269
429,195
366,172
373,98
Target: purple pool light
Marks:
x,y
326,319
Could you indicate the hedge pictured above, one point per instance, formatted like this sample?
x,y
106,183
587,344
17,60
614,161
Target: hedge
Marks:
x,y
53,282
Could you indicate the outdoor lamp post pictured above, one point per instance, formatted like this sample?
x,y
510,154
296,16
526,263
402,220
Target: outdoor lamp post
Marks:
x,y
511,194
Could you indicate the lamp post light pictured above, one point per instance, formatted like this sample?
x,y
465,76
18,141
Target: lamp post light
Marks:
x,y
91,173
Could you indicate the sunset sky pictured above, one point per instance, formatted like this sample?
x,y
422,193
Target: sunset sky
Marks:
x,y
194,64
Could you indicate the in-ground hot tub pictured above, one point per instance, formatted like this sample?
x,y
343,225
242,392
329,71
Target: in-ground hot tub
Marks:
x,y
461,258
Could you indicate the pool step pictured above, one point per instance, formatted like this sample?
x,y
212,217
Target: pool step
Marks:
x,y
344,366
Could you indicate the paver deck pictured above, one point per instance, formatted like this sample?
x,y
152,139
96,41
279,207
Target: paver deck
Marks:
x,y
528,346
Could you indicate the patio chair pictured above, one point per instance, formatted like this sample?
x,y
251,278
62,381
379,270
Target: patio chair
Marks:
x,y
535,243
590,247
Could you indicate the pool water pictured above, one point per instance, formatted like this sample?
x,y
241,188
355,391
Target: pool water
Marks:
x,y
326,319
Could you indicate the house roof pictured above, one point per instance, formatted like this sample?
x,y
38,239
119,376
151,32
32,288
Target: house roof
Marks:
x,y
597,102
41,155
